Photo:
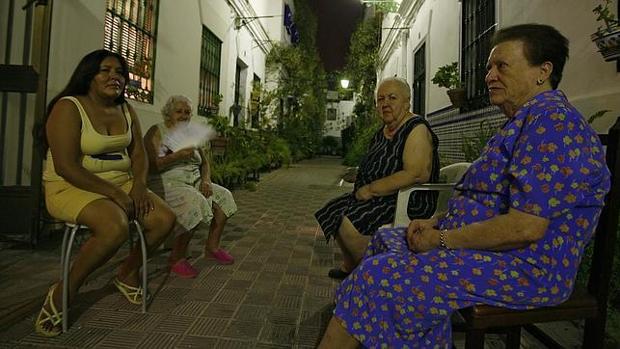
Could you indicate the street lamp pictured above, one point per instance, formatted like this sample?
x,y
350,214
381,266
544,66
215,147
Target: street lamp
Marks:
x,y
344,83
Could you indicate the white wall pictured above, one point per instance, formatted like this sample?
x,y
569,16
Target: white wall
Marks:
x,y
590,83
436,23
78,28
344,117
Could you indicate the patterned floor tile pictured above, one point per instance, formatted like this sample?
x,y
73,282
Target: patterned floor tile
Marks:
x,y
283,316
220,310
190,308
308,336
259,298
193,342
230,296
160,341
143,322
175,324
278,334
226,343
253,313
109,319
243,330
208,327
121,339
289,302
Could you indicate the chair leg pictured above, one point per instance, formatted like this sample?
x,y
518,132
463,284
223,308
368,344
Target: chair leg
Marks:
x,y
63,247
474,339
65,264
594,333
144,270
513,338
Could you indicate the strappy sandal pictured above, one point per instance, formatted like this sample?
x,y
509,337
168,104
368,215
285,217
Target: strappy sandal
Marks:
x,y
54,317
133,294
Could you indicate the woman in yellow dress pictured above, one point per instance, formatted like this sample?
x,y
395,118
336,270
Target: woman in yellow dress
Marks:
x,y
95,175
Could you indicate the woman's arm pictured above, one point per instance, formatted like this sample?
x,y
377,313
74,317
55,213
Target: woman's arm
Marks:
x,y
205,174
417,166
139,168
63,130
157,164
516,229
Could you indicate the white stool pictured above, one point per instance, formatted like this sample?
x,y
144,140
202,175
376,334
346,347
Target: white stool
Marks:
x,y
65,258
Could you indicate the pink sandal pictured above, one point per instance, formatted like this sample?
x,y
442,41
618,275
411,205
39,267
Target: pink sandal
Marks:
x,y
220,256
184,269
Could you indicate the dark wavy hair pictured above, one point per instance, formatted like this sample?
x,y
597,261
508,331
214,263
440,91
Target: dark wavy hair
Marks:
x,y
541,43
79,84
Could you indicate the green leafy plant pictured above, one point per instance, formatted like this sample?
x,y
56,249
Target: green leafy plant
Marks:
x,y
447,76
605,15
361,68
221,125
473,144
387,6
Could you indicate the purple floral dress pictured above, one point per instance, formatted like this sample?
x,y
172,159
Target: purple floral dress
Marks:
x,y
545,161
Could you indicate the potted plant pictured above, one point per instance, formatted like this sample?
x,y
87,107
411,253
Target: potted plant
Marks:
x,y
220,142
448,76
607,37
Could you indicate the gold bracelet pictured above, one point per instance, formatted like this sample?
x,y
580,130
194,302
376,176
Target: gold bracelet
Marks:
x,y
442,239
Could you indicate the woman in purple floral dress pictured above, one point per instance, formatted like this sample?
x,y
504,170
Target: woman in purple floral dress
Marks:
x,y
515,228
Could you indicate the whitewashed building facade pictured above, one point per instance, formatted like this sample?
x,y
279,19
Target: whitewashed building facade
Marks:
x,y
427,34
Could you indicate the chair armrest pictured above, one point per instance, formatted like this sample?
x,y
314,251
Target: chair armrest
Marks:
x,y
401,219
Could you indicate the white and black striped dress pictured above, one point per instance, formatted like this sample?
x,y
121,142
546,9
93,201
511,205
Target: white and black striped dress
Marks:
x,y
384,157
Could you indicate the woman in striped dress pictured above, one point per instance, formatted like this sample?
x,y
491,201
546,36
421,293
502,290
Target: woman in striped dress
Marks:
x,y
402,152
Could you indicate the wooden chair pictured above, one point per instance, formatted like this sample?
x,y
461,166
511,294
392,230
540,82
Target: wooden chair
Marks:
x,y
585,303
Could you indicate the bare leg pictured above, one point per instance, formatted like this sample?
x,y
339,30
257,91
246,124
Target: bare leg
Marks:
x,y
337,337
109,230
352,243
215,231
348,263
157,224
181,241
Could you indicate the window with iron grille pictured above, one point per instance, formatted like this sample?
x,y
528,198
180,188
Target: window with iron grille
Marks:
x,y
478,28
419,80
209,85
130,30
255,101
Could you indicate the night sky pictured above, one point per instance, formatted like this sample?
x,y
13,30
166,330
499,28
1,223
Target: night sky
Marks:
x,y
337,19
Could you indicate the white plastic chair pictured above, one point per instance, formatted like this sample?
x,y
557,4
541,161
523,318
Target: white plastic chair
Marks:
x,y
450,175
65,261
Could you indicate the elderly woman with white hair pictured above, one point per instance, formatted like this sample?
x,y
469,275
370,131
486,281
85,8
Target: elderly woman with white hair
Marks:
x,y
182,179
402,152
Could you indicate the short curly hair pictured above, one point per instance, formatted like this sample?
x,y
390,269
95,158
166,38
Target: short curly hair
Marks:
x,y
402,83
540,43
167,108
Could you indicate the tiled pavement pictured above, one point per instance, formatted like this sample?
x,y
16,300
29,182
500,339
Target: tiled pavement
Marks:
x,y
276,295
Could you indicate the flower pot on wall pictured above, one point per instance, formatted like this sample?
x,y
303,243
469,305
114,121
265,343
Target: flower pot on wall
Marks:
x,y
457,97
608,42
219,145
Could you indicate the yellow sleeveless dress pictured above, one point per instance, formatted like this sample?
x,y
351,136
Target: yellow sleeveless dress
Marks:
x,y
63,200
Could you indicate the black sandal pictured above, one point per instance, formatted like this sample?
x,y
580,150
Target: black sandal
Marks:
x,y
337,273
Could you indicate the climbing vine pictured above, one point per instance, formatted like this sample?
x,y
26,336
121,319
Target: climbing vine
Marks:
x,y
362,62
301,86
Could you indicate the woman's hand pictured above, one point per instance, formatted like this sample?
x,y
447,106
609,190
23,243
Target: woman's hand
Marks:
x,y
205,188
185,153
124,201
142,202
422,235
364,193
